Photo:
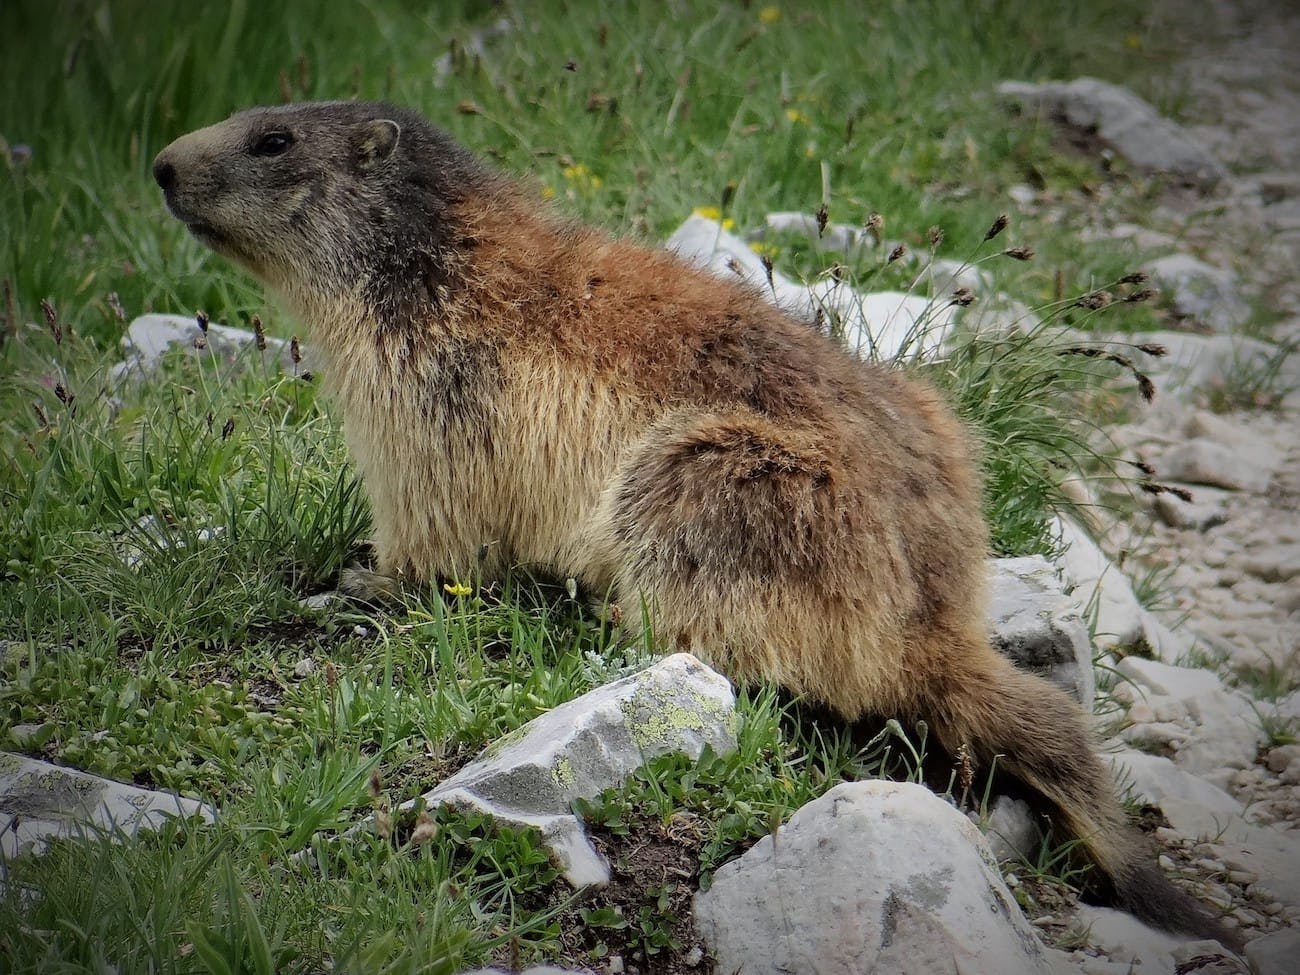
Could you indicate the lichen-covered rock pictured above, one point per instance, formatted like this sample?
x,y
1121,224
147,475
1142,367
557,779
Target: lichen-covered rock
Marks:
x,y
872,877
1125,122
1034,623
590,744
40,802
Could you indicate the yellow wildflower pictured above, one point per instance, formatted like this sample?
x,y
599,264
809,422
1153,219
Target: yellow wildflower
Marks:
x,y
458,589
548,193
796,117
769,15
582,177
764,249
713,213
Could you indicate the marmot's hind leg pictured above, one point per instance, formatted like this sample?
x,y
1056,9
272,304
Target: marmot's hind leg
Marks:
x,y
744,541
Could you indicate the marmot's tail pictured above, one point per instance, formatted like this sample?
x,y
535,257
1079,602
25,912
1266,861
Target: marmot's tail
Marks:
x,y
1040,737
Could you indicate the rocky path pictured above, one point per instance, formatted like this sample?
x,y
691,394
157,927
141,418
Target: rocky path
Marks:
x,y
1212,723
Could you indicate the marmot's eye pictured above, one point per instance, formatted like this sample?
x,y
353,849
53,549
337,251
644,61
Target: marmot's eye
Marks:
x,y
272,144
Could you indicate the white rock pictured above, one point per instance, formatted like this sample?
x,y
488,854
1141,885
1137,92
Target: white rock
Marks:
x,y
1154,779
1274,954
1273,563
48,801
590,744
1207,508
1203,461
1011,829
881,325
1200,291
1034,623
1101,587
1271,854
1210,728
1169,646
1125,939
836,236
872,877
149,337
1196,362
1128,124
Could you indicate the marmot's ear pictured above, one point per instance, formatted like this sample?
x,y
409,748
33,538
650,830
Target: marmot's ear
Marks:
x,y
376,141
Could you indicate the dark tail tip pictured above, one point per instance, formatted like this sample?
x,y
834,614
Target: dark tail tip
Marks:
x,y
1148,895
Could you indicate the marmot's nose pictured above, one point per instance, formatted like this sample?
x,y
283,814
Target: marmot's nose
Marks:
x,y
164,172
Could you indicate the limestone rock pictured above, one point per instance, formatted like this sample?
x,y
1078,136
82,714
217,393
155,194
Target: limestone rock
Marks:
x,y
1274,954
590,744
880,325
1272,855
1125,939
1196,362
1155,778
836,236
1273,563
49,801
1012,830
1202,461
1100,586
1208,507
149,337
1208,728
1200,291
872,877
1134,129
1035,624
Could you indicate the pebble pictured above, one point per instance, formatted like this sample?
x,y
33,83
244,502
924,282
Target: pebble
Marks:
x,y
304,668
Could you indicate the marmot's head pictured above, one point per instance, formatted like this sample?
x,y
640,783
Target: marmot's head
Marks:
x,y
329,196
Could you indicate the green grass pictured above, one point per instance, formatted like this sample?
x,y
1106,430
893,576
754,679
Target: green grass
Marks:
x,y
157,540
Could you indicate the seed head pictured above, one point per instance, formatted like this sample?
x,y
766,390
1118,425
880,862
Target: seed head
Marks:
x,y
1146,388
767,270
227,428
935,234
1142,294
115,306
963,296
897,253
1095,300
52,320
1135,277
425,829
875,223
295,350
63,395
259,333
1020,253
1153,349
999,225
201,317
823,217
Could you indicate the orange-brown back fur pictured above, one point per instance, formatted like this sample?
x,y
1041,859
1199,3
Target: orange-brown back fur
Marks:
x,y
536,391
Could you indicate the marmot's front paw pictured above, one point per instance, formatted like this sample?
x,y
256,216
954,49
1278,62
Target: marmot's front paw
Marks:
x,y
367,585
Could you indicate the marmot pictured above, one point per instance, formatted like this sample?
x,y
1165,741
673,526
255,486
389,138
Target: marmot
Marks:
x,y
517,384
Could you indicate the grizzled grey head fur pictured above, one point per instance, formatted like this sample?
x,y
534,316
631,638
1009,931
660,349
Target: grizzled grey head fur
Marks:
x,y
347,197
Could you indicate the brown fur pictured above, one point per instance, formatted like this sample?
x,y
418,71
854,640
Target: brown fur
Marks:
x,y
605,411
